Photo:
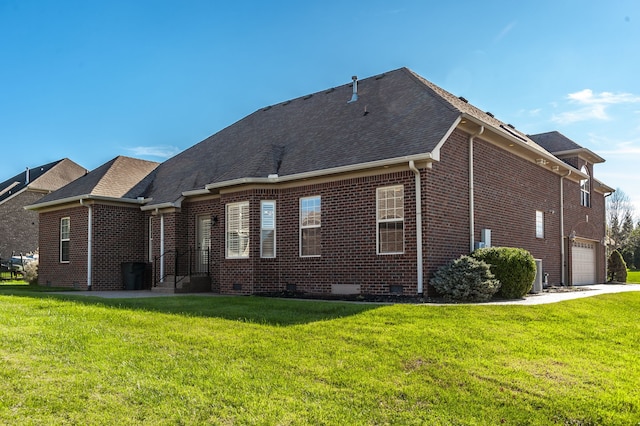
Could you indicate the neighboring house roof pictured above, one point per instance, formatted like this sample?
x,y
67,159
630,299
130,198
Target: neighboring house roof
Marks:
x,y
397,115
45,178
561,146
122,177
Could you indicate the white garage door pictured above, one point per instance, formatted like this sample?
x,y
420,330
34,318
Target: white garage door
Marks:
x,y
583,265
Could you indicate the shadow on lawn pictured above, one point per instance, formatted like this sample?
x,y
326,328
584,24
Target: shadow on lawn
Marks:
x,y
250,309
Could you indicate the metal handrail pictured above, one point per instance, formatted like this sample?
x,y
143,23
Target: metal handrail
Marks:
x,y
193,267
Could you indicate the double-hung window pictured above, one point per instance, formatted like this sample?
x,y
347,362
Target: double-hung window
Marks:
x,y
390,219
237,224
310,221
268,229
65,239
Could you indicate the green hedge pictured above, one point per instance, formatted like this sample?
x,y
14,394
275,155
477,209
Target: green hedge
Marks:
x,y
515,268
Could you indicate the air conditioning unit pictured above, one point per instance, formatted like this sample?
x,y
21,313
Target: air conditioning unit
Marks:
x,y
537,282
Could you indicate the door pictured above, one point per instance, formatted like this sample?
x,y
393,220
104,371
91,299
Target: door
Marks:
x,y
203,243
583,262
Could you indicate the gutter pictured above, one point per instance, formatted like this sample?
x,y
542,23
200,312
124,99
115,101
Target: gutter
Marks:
x,y
81,198
420,267
429,156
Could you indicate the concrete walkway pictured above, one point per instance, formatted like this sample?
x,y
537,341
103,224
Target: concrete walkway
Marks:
x,y
530,299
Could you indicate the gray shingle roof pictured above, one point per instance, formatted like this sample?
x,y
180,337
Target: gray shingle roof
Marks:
x,y
558,144
395,115
122,177
555,142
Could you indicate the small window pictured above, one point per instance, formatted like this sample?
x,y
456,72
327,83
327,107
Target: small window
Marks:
x,y
390,219
585,189
268,229
539,224
310,222
65,239
237,230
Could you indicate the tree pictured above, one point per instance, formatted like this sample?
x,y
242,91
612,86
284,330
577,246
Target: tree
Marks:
x,y
619,210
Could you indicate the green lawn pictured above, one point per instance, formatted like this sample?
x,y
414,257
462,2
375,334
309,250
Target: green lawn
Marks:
x,y
248,360
633,276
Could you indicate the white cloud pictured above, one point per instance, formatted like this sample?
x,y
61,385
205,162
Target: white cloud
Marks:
x,y
154,151
592,106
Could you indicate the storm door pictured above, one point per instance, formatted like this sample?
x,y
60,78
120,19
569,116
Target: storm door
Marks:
x,y
203,244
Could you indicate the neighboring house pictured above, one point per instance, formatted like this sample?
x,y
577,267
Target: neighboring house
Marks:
x,y
366,188
19,227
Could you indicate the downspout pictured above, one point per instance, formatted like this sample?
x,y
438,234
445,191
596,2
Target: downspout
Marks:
x,y
562,251
89,242
161,246
420,267
472,230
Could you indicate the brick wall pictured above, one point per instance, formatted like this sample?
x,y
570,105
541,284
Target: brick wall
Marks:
x,y
52,272
117,237
19,227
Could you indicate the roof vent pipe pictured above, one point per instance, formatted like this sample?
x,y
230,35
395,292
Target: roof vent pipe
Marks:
x,y
354,96
27,177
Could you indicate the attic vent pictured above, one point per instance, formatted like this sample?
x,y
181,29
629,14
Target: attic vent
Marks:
x,y
489,114
463,99
330,90
511,126
354,96
307,97
380,76
267,108
286,103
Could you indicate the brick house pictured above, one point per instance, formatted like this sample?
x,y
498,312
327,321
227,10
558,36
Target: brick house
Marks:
x,y
19,227
366,188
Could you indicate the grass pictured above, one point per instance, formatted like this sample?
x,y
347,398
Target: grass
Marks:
x,y
633,276
246,360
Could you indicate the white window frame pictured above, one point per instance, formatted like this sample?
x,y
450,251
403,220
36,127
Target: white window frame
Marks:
x,y
237,225
267,229
308,205
389,211
539,224
65,238
585,188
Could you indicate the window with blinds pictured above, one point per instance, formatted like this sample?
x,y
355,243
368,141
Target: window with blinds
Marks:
x,y
237,232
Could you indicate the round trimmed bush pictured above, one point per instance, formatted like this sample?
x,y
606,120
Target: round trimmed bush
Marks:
x,y
515,268
465,280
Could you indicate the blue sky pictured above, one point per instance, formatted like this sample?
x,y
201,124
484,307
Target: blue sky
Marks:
x,y
90,80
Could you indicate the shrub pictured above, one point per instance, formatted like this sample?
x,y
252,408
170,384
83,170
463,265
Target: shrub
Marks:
x,y
31,272
515,268
466,280
617,267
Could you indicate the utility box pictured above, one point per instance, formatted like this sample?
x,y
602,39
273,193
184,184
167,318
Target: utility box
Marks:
x,y
537,282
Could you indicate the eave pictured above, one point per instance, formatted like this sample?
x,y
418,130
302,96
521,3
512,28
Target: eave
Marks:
x,y
80,199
